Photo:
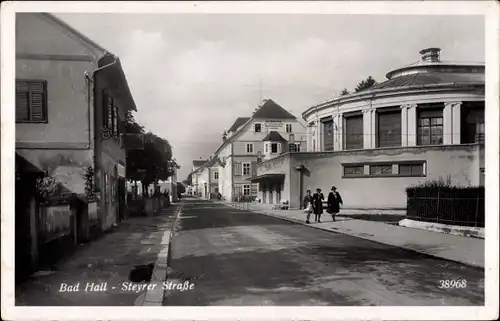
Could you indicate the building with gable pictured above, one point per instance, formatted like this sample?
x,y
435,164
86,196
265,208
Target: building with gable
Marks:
x,y
270,131
71,99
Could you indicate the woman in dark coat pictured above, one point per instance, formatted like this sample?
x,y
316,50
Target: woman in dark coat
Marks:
x,y
334,201
317,202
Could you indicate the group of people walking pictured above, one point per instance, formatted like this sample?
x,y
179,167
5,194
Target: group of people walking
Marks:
x,y
313,204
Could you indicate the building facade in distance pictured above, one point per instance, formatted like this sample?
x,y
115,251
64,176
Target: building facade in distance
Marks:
x,y
269,132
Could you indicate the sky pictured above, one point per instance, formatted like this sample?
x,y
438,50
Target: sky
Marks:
x,y
192,75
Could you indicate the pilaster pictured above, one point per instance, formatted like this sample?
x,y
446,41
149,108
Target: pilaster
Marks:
x,y
404,125
447,123
367,123
409,125
456,121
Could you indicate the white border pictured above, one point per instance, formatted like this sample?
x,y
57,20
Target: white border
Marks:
x,y
489,9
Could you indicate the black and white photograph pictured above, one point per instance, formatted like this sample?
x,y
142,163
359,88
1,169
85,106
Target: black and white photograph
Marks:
x,y
293,160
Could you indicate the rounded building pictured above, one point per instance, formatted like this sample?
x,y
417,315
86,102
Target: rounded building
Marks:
x,y
425,122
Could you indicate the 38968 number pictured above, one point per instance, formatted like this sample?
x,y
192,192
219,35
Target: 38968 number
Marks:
x,y
452,284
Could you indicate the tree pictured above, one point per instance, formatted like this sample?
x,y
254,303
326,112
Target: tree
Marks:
x,y
365,84
151,163
181,188
344,92
189,180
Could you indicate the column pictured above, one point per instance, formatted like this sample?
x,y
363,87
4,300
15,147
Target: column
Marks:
x,y
404,125
337,132
367,123
321,133
309,138
373,135
341,131
447,123
456,122
412,125
317,135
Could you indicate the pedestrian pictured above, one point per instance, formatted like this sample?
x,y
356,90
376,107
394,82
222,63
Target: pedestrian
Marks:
x,y
308,205
317,202
334,201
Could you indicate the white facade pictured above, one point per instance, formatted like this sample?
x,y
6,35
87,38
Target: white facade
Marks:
x,y
239,154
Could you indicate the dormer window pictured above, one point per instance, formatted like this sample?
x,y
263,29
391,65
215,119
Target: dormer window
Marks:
x,y
258,128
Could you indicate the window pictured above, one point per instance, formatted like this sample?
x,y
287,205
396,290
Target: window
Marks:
x,y
328,135
354,132
246,168
249,148
294,147
388,128
237,169
288,128
411,169
216,175
354,170
31,101
472,130
430,127
274,148
266,147
380,170
246,190
115,120
257,128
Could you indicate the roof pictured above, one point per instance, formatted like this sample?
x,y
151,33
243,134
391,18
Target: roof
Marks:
x,y
429,78
267,176
74,31
199,162
431,65
239,121
270,109
274,136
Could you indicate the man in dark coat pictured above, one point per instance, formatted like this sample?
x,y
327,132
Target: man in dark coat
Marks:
x,y
317,201
334,201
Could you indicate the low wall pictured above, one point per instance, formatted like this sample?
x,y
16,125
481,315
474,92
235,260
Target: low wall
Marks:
x,y
325,169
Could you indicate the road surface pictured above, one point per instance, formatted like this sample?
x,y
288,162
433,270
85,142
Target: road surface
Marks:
x,y
236,257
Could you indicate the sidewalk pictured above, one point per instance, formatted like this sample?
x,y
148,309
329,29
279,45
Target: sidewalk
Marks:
x,y
466,250
105,261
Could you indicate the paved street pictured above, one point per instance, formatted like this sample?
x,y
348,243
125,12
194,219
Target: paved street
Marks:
x,y
236,257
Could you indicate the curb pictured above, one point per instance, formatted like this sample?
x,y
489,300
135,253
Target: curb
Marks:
x,y
296,221
154,296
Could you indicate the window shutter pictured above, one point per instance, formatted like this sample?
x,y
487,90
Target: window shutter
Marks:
x,y
115,120
22,111
37,106
109,108
105,98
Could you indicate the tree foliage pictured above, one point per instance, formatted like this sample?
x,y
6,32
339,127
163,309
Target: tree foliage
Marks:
x,y
189,180
365,84
153,162
181,188
344,92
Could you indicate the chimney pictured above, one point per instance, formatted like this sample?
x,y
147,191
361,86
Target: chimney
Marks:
x,y
224,136
430,54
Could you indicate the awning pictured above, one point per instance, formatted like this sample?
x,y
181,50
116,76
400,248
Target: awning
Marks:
x,y
265,177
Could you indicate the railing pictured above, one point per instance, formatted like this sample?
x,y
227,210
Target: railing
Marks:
x,y
446,209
